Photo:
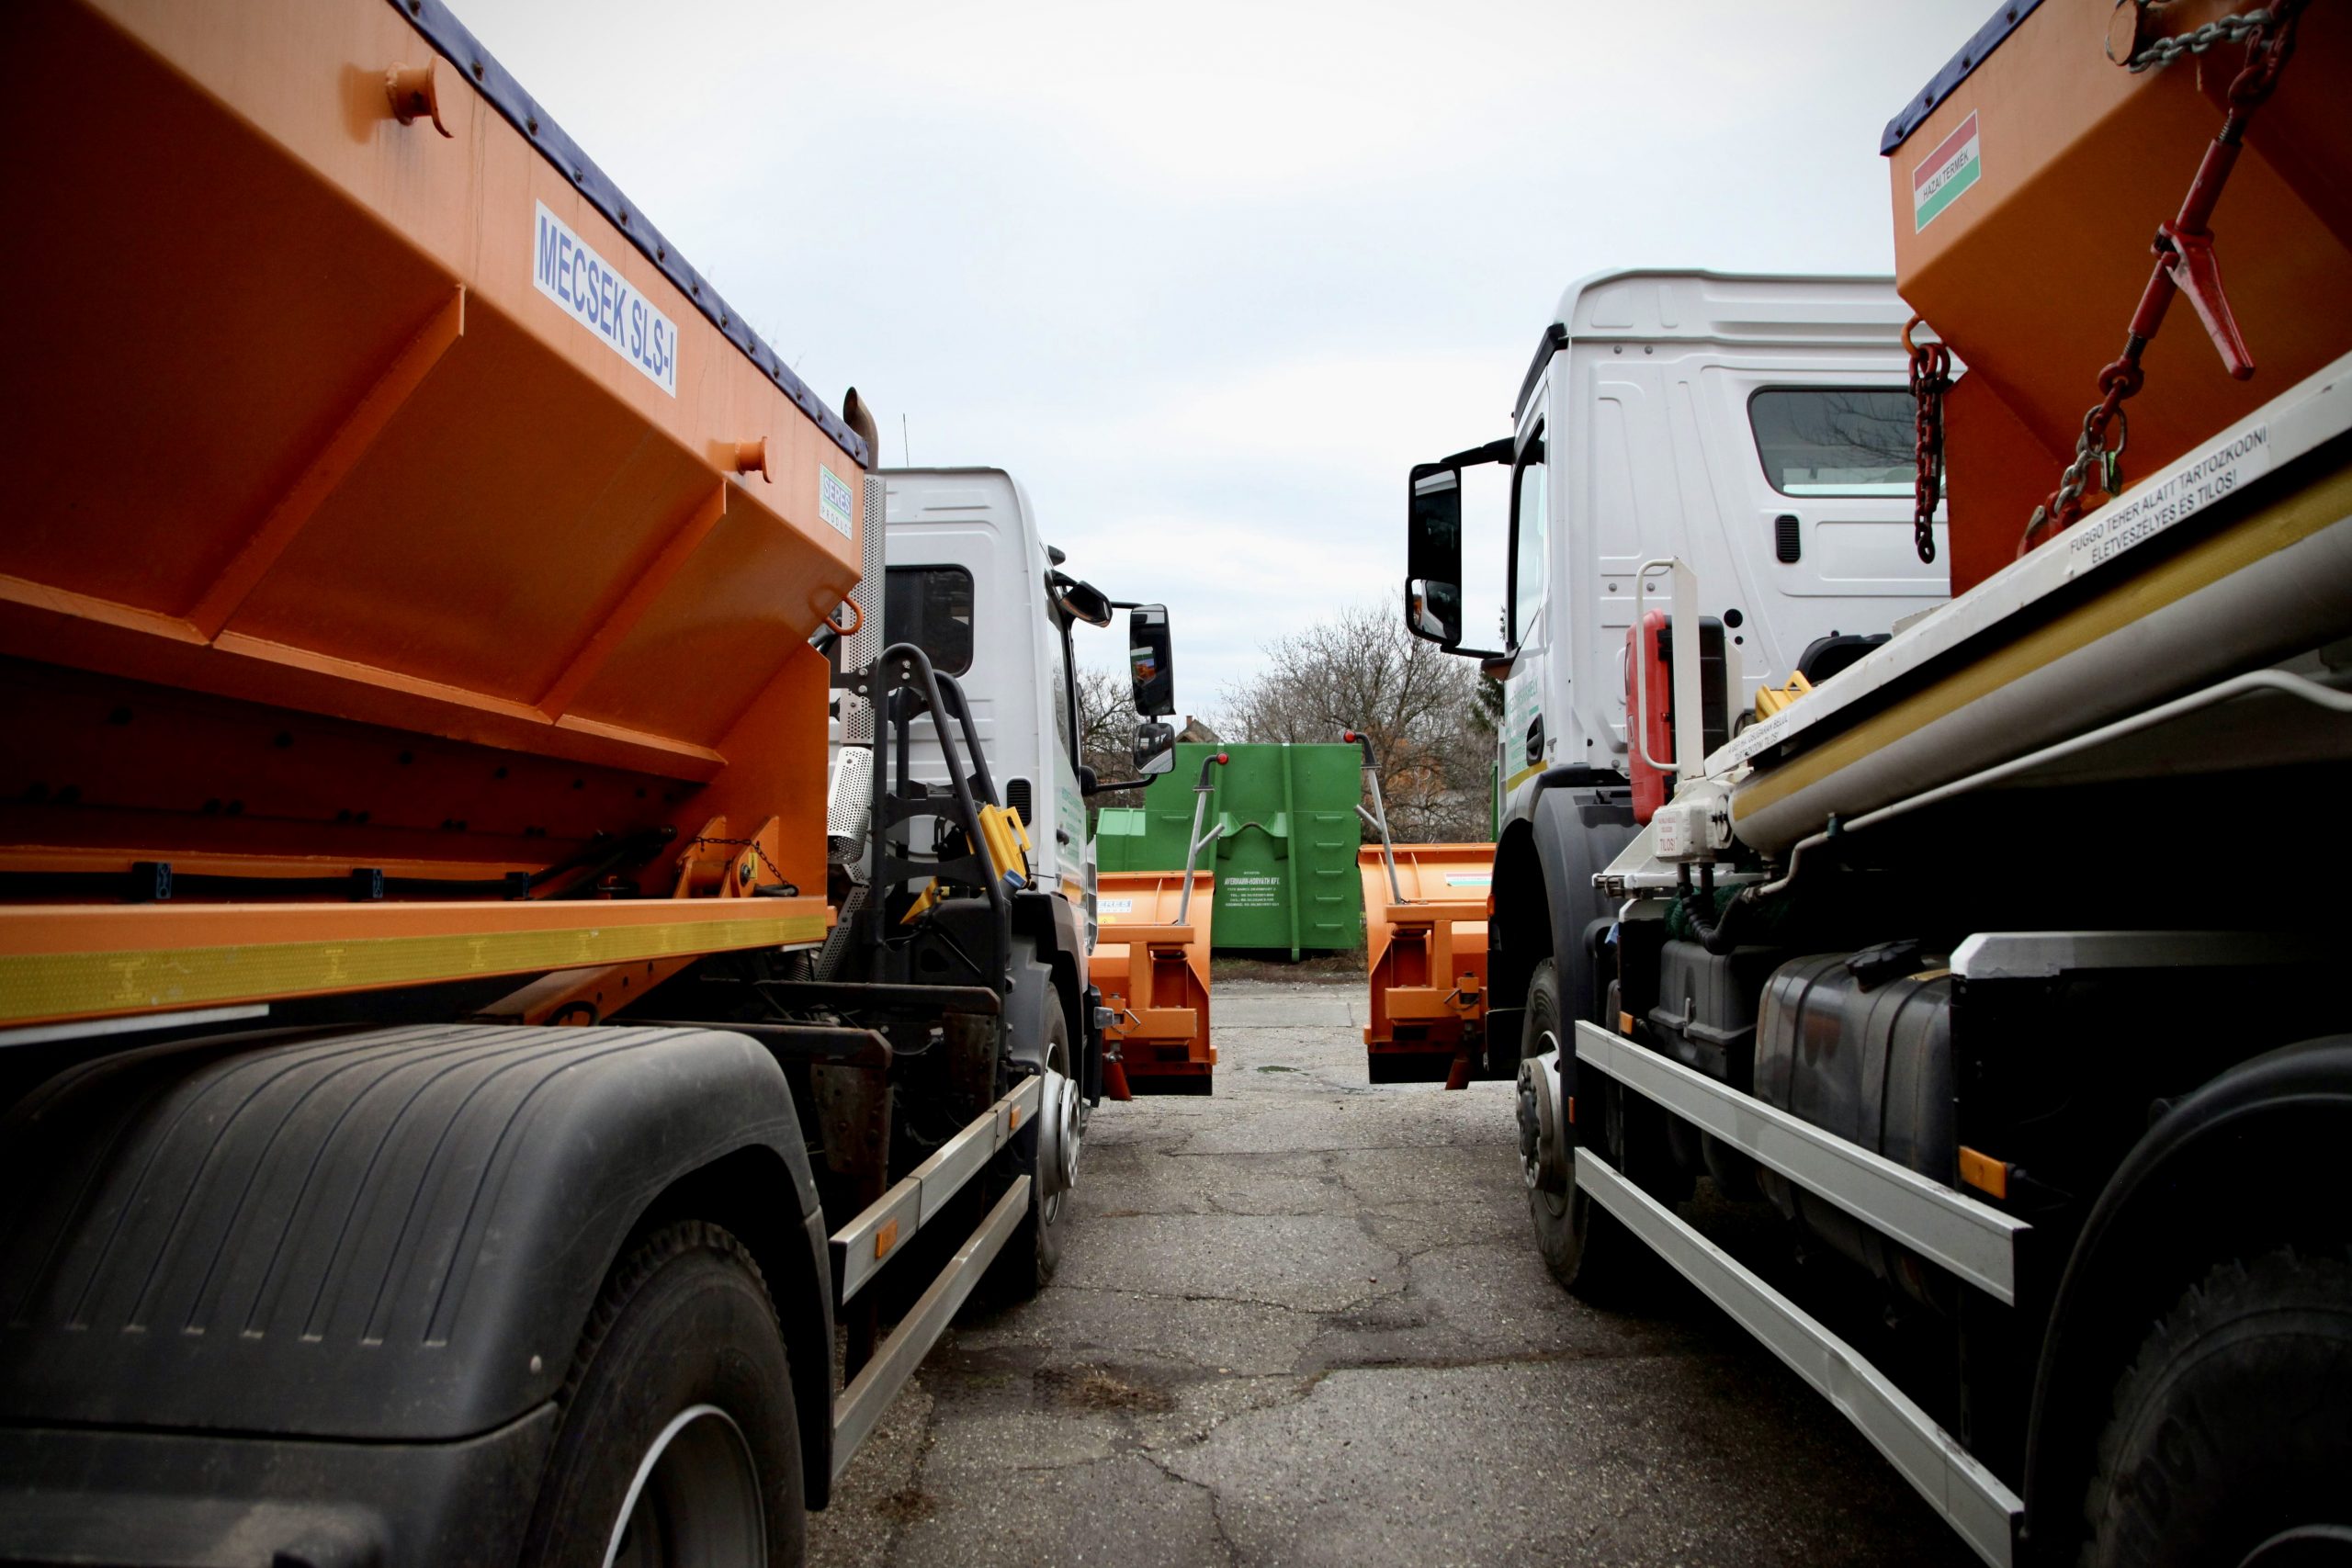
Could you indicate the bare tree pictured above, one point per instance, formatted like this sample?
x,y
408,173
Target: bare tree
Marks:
x,y
1432,729
1106,730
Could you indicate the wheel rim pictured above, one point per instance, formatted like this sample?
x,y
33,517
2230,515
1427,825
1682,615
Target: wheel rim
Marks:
x,y
695,1501
1068,1125
1531,1152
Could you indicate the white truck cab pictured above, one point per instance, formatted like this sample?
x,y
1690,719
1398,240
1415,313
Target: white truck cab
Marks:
x,y
1760,429
971,581
1757,429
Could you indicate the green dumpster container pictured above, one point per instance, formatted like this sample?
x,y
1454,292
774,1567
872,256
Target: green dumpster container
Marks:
x,y
1118,838
1286,864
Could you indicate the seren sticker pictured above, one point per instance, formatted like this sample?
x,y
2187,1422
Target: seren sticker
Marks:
x,y
833,500
1950,169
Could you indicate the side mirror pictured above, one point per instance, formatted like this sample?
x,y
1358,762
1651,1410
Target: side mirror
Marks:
x,y
1434,555
1433,545
1149,662
1081,600
1155,748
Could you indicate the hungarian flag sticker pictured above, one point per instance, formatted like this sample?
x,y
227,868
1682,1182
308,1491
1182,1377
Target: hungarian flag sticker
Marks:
x,y
1952,168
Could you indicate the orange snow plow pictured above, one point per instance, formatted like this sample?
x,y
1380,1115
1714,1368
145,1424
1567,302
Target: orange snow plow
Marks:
x,y
1425,909
1425,942
1151,964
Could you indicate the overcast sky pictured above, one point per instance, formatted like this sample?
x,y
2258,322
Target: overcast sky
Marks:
x,y
1209,278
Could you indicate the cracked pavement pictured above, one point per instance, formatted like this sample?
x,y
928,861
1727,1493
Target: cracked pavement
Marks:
x,y
1303,1322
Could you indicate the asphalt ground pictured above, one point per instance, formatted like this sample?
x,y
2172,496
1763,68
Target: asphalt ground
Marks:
x,y
1303,1322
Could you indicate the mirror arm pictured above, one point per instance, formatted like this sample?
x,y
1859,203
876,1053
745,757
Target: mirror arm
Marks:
x,y
1111,786
1497,451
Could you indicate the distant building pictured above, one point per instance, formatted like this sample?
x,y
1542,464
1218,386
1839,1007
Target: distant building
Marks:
x,y
1196,731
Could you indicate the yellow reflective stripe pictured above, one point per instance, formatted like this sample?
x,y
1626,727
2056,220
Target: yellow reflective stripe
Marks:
x,y
82,984
1522,776
2298,517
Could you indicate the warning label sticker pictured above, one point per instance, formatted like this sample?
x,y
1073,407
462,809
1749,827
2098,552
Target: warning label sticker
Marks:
x,y
1468,879
1948,171
1115,906
1249,892
604,301
2239,460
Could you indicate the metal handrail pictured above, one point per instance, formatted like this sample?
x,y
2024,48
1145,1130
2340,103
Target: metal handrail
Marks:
x,y
1683,626
1199,841
1378,817
923,681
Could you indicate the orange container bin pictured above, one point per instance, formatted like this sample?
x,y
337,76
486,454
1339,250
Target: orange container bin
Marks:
x,y
1426,959
1153,973
2029,181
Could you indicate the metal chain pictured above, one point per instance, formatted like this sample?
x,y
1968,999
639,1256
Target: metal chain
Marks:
x,y
752,844
1930,379
2270,32
2265,58
2159,52
2118,381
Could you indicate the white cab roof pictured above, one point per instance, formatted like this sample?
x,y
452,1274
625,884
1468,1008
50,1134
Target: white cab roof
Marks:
x,y
1651,304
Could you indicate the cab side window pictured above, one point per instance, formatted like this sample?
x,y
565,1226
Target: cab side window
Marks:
x,y
931,606
1835,440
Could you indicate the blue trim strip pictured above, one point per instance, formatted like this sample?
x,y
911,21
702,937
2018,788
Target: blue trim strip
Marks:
x,y
449,37
1956,70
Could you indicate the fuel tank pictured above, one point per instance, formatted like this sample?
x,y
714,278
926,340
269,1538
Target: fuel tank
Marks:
x,y
1869,1060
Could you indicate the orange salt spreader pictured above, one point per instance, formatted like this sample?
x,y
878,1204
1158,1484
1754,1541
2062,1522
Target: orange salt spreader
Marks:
x,y
2077,178
1151,964
450,567
1425,911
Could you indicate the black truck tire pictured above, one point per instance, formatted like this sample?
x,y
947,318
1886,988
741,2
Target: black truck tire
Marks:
x,y
678,1427
1587,1249
2231,1429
